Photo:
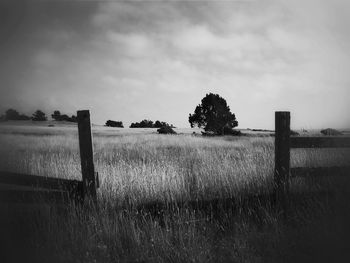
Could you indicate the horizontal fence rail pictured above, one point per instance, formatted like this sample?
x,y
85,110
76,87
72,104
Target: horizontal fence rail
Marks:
x,y
320,171
24,188
29,196
39,181
319,142
284,142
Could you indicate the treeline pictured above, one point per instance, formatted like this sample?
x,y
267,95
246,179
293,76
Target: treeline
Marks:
x,y
57,116
38,115
142,124
14,115
150,124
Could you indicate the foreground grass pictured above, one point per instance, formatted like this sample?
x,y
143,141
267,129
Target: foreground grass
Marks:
x,y
138,169
316,233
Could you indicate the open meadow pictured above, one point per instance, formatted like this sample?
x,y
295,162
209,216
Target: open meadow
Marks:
x,y
138,167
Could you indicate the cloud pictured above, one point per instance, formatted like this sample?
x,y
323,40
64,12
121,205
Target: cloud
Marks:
x,y
138,59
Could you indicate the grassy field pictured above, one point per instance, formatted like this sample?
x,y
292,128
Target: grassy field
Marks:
x,y
138,167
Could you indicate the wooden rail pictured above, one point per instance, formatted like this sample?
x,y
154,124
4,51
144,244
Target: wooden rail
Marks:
x,y
15,187
33,196
319,171
39,181
319,142
284,142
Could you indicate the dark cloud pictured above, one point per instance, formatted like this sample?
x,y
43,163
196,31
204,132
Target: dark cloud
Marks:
x,y
27,27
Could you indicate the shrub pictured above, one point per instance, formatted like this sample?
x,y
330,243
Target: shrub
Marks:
x,y
13,115
230,131
57,116
39,116
143,124
208,133
331,132
117,124
294,133
149,124
166,130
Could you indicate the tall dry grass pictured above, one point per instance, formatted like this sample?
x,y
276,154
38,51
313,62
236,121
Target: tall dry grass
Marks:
x,y
142,168
149,167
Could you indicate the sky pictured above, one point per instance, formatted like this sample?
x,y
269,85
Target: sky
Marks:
x,y
134,60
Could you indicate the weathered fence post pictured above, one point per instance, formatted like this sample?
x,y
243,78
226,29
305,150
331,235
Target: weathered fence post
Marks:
x,y
86,154
282,158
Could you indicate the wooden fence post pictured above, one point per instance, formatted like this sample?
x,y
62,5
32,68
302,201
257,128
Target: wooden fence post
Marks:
x,y
282,159
86,154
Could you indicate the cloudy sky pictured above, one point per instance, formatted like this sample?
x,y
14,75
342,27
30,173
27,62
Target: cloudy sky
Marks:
x,y
131,60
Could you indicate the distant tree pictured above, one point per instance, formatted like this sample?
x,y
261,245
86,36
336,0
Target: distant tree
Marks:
x,y
65,117
166,130
158,124
213,114
230,131
147,124
331,132
150,124
12,114
143,124
39,116
56,115
294,133
74,118
117,124
23,117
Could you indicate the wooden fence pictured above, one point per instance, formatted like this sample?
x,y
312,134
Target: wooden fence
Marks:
x,y
284,142
24,188
15,187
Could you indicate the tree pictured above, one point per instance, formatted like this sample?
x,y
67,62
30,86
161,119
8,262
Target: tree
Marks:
x,y
39,116
149,124
143,124
56,115
166,130
158,124
73,118
214,115
11,114
23,117
117,124
331,132
146,124
65,117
